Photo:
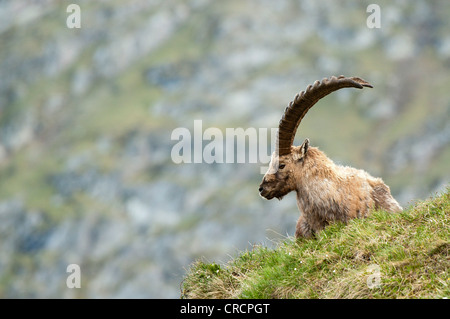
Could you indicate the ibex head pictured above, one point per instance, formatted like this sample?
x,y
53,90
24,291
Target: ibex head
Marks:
x,y
288,161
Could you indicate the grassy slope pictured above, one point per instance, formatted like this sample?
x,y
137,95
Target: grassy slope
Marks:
x,y
411,250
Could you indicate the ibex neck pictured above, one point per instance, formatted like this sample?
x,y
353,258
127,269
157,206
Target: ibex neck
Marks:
x,y
317,179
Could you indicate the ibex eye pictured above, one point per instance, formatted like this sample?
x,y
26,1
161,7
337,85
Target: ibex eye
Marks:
x,y
281,166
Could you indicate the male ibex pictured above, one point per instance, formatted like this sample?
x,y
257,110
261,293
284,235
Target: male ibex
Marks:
x,y
326,192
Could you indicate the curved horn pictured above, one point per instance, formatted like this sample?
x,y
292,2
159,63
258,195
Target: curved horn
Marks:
x,y
303,101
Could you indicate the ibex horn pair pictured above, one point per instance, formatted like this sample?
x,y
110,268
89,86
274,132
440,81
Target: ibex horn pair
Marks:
x,y
303,101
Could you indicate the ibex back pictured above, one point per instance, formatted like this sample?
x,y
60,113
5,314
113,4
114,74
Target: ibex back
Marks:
x,y
326,192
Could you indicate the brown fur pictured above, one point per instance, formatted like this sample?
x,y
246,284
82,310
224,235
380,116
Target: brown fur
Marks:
x,y
326,192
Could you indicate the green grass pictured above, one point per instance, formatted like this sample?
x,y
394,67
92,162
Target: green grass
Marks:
x,y
407,252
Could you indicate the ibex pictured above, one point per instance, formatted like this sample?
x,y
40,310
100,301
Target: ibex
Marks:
x,y
326,192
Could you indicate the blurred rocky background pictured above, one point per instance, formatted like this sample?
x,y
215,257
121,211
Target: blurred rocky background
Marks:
x,y
86,117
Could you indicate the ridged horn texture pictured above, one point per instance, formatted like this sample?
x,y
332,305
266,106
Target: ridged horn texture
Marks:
x,y
303,101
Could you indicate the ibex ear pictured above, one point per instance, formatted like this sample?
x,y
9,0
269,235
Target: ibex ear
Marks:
x,y
298,152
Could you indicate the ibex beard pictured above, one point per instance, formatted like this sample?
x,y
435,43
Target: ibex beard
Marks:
x,y
326,192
